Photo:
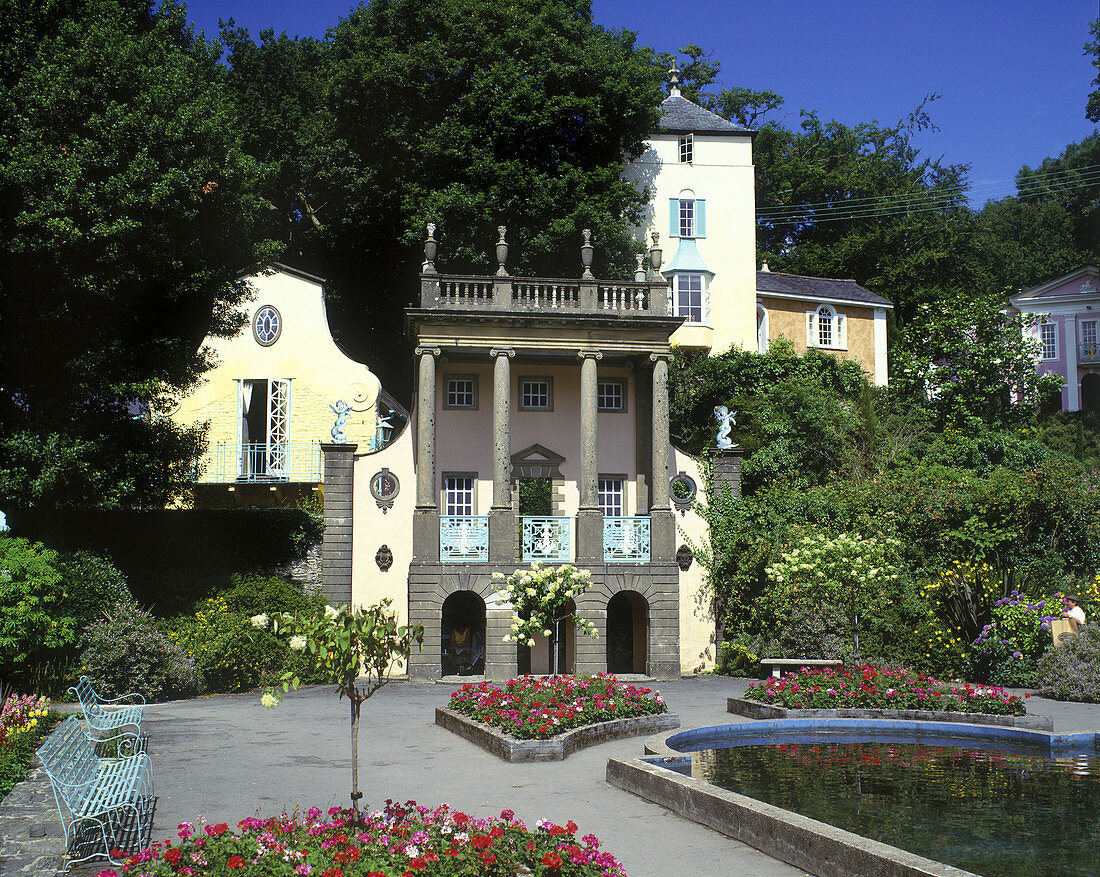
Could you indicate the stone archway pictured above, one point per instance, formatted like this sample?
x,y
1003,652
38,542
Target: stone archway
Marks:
x,y
1090,392
627,633
462,645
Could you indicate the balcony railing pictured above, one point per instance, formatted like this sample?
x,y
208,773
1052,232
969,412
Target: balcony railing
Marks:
x,y
547,539
1088,354
463,537
626,540
519,294
230,462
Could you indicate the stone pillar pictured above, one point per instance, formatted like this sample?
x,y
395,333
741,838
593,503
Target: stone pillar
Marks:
x,y
643,438
662,522
1073,379
426,514
502,520
589,519
337,540
726,471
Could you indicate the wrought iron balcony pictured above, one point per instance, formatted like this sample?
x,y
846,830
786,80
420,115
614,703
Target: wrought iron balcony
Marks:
x,y
231,462
1088,354
547,539
626,540
463,537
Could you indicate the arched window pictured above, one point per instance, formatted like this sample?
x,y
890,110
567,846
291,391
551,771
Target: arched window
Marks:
x,y
687,216
826,328
761,329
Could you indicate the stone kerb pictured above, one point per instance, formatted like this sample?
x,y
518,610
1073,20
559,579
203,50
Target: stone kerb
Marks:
x,y
556,748
754,710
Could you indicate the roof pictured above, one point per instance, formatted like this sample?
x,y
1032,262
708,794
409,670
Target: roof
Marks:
x,y
678,114
1059,289
817,288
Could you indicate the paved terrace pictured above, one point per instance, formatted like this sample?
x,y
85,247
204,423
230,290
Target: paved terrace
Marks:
x,y
226,757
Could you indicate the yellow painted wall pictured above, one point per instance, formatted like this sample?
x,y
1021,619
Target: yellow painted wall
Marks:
x,y
788,318
697,626
319,372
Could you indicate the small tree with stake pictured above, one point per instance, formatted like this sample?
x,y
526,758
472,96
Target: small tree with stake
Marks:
x,y
540,601
353,649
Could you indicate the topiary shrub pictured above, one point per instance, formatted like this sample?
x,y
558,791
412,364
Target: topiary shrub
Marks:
x,y
1072,671
255,594
125,652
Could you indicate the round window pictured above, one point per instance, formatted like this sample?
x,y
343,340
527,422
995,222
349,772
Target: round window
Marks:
x,y
683,489
267,325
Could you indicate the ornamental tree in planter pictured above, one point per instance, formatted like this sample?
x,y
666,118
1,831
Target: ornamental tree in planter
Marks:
x,y
541,599
353,649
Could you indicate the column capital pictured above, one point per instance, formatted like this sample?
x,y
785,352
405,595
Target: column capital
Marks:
x,y
494,352
589,354
434,351
660,357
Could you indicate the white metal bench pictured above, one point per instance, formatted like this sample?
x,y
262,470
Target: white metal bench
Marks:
x,y
125,712
109,802
779,664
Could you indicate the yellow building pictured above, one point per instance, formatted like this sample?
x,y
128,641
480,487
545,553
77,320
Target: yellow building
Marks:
x,y
271,399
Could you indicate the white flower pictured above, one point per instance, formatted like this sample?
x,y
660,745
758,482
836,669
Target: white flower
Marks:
x,y
260,621
269,700
530,592
297,643
330,612
546,633
531,643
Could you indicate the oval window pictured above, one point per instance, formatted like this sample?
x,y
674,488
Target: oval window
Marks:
x,y
267,325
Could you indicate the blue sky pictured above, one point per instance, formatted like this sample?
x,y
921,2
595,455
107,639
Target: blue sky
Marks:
x,y
1011,73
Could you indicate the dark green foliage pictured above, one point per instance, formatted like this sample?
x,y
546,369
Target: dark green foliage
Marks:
x,y
17,754
127,215
92,583
1072,671
125,652
253,594
1092,108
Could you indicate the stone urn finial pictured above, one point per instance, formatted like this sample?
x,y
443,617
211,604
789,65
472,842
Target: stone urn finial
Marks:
x,y
502,252
639,268
655,255
431,247
586,254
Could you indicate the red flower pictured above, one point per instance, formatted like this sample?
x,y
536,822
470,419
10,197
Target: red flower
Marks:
x,y
551,860
417,864
348,854
215,830
333,872
235,862
172,855
496,831
487,857
481,841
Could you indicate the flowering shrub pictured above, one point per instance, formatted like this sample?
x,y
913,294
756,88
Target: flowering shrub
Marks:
x,y
962,598
540,598
1072,671
1008,648
125,652
401,839
870,687
229,652
533,707
21,713
24,720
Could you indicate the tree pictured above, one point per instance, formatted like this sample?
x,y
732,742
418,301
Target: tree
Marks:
x,y
353,649
126,215
465,113
1092,107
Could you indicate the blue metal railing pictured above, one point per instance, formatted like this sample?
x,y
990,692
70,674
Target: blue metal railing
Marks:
x,y
1088,354
229,462
626,540
463,537
547,539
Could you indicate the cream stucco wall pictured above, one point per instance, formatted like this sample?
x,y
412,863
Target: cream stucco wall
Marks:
x,y
722,174
787,317
305,354
697,625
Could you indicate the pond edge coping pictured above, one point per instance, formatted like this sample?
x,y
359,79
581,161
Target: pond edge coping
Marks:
x,y
753,709
806,843
556,748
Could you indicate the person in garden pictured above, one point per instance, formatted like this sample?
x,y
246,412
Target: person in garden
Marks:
x,y
1073,610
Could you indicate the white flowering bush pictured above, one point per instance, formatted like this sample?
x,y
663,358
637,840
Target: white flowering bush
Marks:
x,y
541,597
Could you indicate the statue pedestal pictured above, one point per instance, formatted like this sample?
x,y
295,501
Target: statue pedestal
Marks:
x,y
726,469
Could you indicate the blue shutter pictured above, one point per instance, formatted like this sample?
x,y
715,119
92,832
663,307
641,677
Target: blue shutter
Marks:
x,y
673,217
700,217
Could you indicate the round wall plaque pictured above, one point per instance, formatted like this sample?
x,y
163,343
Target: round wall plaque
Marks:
x,y
384,487
682,491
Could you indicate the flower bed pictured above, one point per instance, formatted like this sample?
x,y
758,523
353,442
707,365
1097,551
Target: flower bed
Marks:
x,y
402,840
869,687
540,707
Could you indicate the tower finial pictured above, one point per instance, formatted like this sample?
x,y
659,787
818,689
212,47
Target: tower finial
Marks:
x,y
673,80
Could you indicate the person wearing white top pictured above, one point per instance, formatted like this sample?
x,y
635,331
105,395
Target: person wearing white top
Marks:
x,y
1073,610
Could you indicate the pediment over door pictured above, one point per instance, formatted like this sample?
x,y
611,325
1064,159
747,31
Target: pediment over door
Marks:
x,y
536,461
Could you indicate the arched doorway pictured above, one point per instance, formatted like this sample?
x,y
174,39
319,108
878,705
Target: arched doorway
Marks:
x,y
462,650
1090,392
627,633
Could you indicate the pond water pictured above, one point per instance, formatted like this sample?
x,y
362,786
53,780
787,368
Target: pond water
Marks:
x,y
996,812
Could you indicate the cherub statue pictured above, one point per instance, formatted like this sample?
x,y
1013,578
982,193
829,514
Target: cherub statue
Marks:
x,y
725,422
341,409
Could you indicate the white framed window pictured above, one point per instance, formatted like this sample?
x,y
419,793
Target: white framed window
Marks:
x,y
1088,332
826,328
263,427
536,394
687,148
610,488
460,391
1048,337
611,395
761,329
267,325
458,493
687,216
691,297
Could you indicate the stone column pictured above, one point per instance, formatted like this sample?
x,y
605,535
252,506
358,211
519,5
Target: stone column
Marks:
x,y
502,520
662,523
426,514
336,543
1073,379
589,519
